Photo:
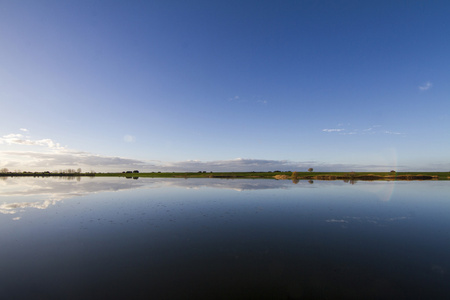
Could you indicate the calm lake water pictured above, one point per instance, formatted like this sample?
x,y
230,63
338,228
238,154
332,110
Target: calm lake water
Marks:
x,y
111,238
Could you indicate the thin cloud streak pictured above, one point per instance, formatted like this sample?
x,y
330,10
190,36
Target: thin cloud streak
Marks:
x,y
333,130
371,130
425,86
392,132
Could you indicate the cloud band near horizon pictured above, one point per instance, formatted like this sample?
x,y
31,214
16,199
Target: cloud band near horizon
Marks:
x,y
48,155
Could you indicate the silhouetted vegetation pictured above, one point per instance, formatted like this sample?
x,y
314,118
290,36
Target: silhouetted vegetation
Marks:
x,y
68,173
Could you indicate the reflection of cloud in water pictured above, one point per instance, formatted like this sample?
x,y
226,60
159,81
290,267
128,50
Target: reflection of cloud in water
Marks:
x,y
12,208
45,192
62,187
20,193
336,221
233,184
371,220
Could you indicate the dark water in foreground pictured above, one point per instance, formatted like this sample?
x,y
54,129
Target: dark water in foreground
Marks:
x,y
115,238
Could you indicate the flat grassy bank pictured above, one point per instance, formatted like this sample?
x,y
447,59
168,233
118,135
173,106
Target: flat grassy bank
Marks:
x,y
263,175
296,175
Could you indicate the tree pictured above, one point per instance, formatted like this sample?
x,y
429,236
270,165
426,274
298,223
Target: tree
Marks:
x,y
79,170
310,169
4,170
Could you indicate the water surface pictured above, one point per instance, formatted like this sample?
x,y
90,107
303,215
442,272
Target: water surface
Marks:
x,y
95,238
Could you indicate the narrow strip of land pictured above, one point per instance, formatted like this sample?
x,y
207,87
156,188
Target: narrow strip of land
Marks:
x,y
368,176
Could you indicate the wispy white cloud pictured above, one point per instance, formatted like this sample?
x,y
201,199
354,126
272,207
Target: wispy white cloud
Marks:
x,y
371,130
333,130
19,139
234,98
392,132
23,129
129,138
426,86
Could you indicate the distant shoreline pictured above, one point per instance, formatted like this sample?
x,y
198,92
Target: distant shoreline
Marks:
x,y
364,176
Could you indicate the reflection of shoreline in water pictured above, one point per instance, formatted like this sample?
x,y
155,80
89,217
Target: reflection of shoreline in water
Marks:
x,y
232,184
44,192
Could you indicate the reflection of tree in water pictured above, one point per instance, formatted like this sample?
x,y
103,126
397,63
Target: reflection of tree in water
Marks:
x,y
77,178
3,177
351,181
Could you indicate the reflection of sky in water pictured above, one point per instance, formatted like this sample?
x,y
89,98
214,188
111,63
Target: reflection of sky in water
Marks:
x,y
17,194
167,238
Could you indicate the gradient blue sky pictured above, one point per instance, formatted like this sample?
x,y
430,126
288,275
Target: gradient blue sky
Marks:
x,y
225,85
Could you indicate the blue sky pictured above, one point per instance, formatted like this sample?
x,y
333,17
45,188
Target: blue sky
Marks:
x,y
225,85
